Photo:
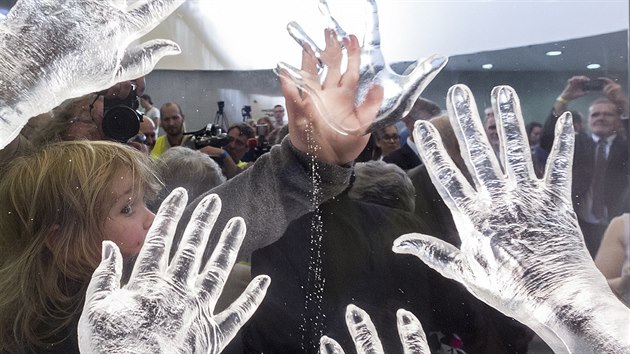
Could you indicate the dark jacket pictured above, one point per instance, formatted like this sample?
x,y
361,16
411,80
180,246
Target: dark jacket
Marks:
x,y
404,158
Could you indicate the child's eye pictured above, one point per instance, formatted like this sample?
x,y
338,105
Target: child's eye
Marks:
x,y
127,209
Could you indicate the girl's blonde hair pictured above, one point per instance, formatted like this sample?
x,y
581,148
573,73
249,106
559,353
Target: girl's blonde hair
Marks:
x,y
54,203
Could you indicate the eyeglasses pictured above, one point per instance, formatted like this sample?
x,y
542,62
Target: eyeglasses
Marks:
x,y
388,137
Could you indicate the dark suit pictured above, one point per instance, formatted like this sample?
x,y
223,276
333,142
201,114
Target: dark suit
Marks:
x,y
616,177
404,158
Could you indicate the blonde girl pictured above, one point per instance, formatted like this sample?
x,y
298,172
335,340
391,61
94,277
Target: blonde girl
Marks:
x,y
57,205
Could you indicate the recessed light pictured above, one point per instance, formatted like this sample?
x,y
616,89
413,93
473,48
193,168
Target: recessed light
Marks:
x,y
487,66
593,66
554,53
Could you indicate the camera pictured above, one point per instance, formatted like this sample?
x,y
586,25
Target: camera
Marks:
x,y
246,112
121,120
221,105
211,135
262,129
594,85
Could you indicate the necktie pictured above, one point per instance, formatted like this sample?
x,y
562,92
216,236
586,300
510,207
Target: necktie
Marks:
x,y
599,180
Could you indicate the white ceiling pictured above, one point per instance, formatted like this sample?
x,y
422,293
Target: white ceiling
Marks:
x,y
251,34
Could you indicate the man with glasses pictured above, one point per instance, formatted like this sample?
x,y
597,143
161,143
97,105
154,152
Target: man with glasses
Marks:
x,y
387,140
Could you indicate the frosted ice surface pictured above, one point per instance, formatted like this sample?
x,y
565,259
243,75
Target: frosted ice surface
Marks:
x,y
169,308
54,50
400,91
365,336
522,250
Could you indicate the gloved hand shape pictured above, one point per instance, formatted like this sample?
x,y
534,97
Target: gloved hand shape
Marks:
x,y
169,308
53,50
522,250
400,91
366,338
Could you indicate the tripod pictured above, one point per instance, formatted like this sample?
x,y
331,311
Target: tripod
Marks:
x,y
219,120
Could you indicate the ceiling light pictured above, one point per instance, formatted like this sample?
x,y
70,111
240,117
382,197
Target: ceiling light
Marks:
x,y
593,66
487,66
554,53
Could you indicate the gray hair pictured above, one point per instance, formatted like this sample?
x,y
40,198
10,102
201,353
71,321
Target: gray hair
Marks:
x,y
383,183
183,167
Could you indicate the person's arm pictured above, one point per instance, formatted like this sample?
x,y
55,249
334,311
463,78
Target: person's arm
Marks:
x,y
614,92
610,256
229,166
572,90
313,164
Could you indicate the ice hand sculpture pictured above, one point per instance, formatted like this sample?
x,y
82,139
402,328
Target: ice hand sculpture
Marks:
x,y
522,250
400,91
168,308
54,50
366,338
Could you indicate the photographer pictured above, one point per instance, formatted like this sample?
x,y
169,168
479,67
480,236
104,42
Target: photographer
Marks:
x,y
600,160
263,144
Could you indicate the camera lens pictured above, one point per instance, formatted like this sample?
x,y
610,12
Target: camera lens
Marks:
x,y
121,123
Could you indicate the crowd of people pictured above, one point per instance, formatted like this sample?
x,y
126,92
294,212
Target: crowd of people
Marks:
x,y
319,225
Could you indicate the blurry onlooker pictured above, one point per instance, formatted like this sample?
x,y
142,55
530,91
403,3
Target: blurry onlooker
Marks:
x,y
276,135
172,121
183,167
387,140
490,126
382,183
147,128
278,116
263,127
150,110
546,139
600,159
239,135
406,157
539,155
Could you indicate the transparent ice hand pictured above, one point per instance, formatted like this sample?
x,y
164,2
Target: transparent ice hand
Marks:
x,y
53,50
400,90
366,338
522,250
169,308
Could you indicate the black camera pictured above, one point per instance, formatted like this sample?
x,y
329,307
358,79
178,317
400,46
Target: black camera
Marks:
x,y
594,85
211,135
246,112
121,119
221,105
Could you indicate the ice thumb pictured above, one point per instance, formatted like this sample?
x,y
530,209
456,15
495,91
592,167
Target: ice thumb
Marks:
x,y
437,254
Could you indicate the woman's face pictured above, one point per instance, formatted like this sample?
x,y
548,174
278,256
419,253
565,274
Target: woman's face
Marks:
x,y
389,141
128,220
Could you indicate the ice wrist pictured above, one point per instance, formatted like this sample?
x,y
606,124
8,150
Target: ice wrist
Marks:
x,y
586,325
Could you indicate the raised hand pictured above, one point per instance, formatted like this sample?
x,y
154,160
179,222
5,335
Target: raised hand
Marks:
x,y
522,250
308,101
400,91
366,338
54,50
169,308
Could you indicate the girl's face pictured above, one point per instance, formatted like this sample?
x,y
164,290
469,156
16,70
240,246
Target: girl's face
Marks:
x,y
128,220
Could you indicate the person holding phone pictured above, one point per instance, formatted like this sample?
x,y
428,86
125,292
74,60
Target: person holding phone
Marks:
x,y
600,160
